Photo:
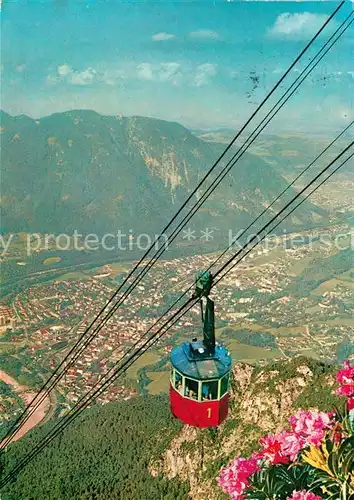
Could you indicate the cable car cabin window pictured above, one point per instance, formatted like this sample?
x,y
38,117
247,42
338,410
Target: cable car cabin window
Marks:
x,y
191,388
178,385
210,390
224,385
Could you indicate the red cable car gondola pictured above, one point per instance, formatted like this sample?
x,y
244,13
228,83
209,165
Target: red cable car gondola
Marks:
x,y
199,388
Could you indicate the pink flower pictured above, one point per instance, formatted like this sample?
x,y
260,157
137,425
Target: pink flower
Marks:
x,y
345,378
346,390
346,375
272,450
350,404
281,448
307,428
291,444
311,426
303,495
234,478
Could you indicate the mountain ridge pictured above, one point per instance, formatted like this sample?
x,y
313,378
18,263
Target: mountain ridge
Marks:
x,y
81,170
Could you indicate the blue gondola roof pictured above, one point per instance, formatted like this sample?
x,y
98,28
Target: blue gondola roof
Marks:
x,y
204,368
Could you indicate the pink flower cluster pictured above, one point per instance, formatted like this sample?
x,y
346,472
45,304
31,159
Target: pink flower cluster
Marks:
x,y
307,428
312,426
280,448
303,495
345,378
234,478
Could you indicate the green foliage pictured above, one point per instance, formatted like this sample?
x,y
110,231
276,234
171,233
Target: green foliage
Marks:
x,y
289,369
277,482
320,270
318,395
104,454
345,349
10,403
229,425
21,369
7,391
143,377
334,474
249,337
11,334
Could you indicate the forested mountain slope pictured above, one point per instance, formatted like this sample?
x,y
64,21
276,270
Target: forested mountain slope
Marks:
x,y
80,170
135,450
104,455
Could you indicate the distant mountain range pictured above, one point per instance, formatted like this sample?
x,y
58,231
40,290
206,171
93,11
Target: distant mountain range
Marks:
x,y
80,170
289,151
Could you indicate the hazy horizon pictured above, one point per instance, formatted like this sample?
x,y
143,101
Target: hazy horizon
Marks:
x,y
191,128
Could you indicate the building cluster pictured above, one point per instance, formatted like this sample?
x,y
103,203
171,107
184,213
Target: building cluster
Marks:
x,y
7,318
336,196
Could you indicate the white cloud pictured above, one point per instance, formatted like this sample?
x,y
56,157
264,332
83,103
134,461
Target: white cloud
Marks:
x,y
111,77
52,79
20,68
64,69
176,74
65,73
160,37
113,74
145,71
204,73
204,35
297,25
108,80
170,72
85,77
161,72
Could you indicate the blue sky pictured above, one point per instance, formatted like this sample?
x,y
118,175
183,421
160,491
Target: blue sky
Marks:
x,y
203,63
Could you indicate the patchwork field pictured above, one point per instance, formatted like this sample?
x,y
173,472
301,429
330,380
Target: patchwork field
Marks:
x,y
160,382
310,353
330,285
77,275
149,358
5,347
250,354
51,260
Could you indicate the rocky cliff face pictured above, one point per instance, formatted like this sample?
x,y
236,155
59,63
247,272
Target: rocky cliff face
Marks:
x,y
262,402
